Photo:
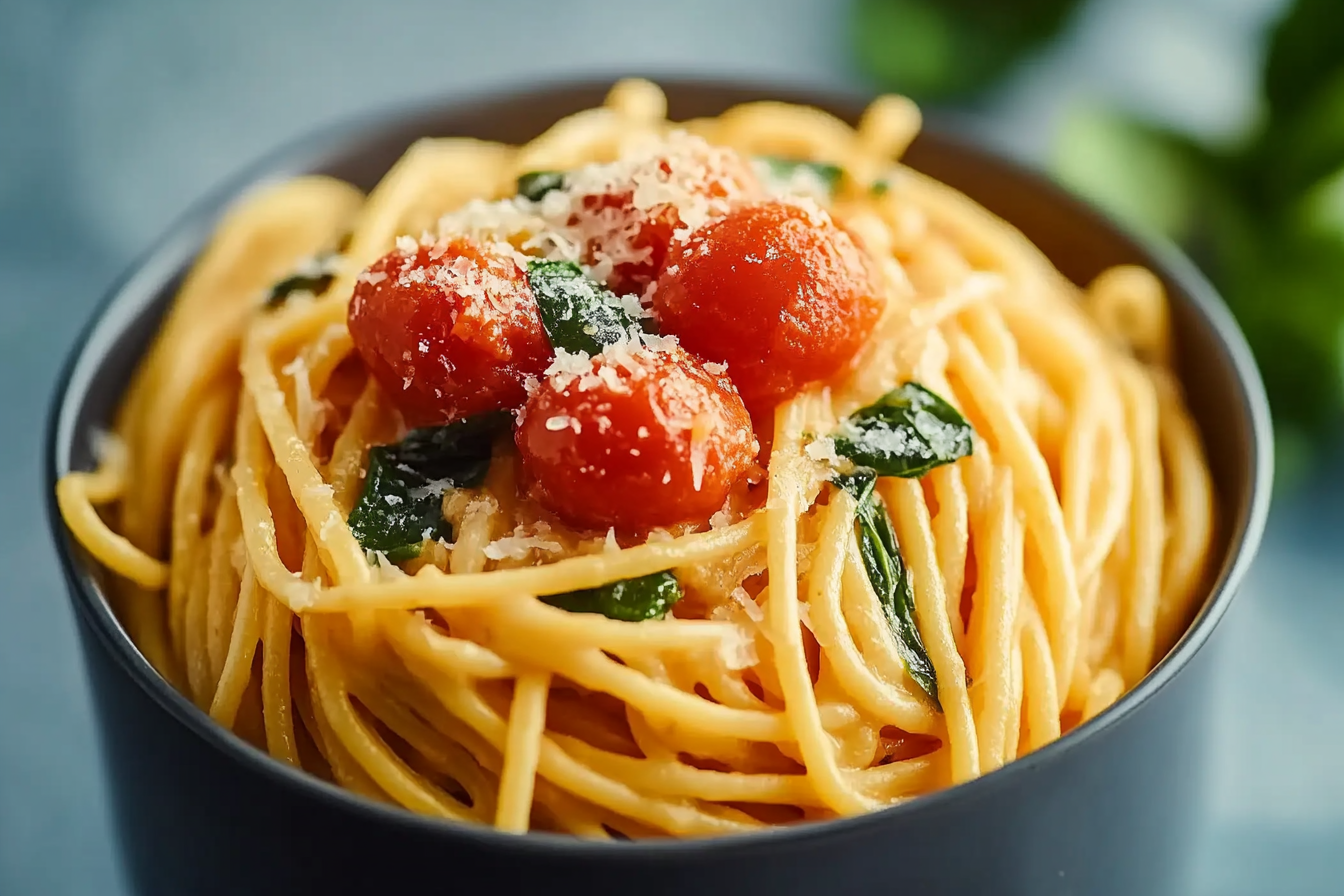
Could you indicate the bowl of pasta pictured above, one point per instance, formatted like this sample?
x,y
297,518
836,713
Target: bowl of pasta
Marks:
x,y
697,488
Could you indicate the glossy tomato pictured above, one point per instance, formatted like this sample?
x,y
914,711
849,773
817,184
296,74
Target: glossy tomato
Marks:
x,y
449,330
634,438
629,214
775,290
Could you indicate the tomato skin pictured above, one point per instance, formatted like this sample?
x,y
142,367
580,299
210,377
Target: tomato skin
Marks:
x,y
775,290
448,330
624,444
625,226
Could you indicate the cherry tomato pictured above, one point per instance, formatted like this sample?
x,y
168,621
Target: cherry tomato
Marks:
x,y
775,290
449,330
631,220
636,439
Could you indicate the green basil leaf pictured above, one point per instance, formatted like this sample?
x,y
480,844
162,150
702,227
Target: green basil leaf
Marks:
x,y
401,506
314,278
629,600
578,314
536,184
784,170
1303,53
879,187
944,50
907,432
887,573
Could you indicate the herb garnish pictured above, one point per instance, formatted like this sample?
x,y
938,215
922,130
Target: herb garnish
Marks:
x,y
401,506
629,600
579,315
888,576
906,433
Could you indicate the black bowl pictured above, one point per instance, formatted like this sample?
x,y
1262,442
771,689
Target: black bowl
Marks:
x,y
1109,809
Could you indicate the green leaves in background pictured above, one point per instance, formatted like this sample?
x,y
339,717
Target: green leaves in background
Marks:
x,y
947,49
1264,218
1141,174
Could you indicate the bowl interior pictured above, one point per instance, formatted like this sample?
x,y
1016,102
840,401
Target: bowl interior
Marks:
x,y
1215,367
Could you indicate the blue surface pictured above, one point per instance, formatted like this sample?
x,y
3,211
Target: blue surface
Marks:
x,y
116,116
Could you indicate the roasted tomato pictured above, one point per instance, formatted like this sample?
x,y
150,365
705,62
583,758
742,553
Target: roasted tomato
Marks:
x,y
449,329
629,214
634,438
775,290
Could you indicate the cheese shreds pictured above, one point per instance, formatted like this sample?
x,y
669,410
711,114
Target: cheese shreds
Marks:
x,y
714,368
384,568
801,181
822,450
330,525
520,544
598,217
310,415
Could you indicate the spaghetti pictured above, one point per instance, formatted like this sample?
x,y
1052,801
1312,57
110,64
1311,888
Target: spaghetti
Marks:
x,y
841,637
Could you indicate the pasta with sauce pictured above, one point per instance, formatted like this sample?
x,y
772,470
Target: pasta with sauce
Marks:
x,y
650,478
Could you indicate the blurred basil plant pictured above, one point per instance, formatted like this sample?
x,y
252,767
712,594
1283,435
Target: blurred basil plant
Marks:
x,y
1264,217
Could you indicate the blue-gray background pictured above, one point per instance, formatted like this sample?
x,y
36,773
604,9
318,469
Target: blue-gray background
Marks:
x,y
114,116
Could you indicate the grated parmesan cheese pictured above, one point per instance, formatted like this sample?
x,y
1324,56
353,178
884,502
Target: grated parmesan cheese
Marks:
x,y
322,490
330,525
822,450
739,652
310,415
384,568
802,181
520,544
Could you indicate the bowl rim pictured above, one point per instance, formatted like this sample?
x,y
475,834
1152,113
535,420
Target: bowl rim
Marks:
x,y
146,275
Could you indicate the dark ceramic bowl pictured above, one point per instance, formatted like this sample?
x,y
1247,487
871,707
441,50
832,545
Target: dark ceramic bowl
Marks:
x,y
1109,809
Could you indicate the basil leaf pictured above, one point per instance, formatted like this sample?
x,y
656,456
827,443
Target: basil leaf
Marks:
x,y
401,505
536,184
314,278
579,315
905,433
784,170
629,600
880,187
886,572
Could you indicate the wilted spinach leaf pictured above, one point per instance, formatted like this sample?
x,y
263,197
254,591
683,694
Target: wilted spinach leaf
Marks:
x,y
629,600
905,433
536,184
887,574
313,277
401,505
579,315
